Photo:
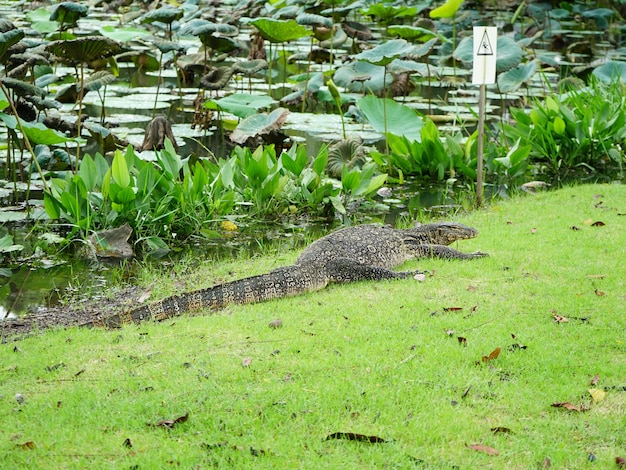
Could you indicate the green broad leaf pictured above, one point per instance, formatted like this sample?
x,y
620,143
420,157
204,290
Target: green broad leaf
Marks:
x,y
259,124
166,14
362,76
51,206
121,195
388,116
513,79
387,12
7,246
375,183
119,170
38,133
4,102
611,71
88,172
385,53
279,31
559,125
123,33
447,10
40,21
350,180
337,204
169,160
411,33
295,163
320,162
156,245
241,105
8,38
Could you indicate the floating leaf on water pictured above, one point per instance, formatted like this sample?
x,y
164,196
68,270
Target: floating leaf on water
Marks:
x,y
241,104
123,33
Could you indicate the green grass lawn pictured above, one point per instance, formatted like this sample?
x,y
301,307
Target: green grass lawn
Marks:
x,y
401,361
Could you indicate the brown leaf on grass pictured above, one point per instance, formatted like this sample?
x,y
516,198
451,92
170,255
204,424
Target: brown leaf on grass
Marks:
x,y
493,355
352,436
246,361
533,230
573,227
170,423
127,443
501,430
449,332
483,448
620,462
568,406
595,380
452,309
599,293
598,223
462,341
471,288
28,445
546,463
560,318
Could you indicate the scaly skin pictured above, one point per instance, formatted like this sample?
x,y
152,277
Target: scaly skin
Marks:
x,y
362,252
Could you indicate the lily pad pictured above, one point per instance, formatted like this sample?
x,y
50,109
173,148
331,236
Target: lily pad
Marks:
x,y
123,33
259,124
386,115
361,76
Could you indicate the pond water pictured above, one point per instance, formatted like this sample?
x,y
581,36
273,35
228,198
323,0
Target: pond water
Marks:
x,y
39,279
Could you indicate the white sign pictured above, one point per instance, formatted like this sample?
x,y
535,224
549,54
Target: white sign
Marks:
x,y
485,48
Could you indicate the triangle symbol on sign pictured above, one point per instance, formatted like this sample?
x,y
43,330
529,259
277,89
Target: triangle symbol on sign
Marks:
x,y
485,45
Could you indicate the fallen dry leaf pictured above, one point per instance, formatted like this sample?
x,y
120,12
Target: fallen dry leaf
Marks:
x,y
28,445
493,355
599,293
573,227
352,436
452,309
421,277
471,288
127,443
597,394
568,406
246,361
483,448
620,462
599,223
462,341
595,380
170,423
560,318
588,222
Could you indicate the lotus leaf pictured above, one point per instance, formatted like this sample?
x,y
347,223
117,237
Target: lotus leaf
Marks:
x,y
511,80
84,49
217,78
447,10
21,88
357,30
310,19
97,80
386,115
611,71
68,13
384,53
38,133
250,67
386,12
8,38
259,124
123,33
279,31
361,76
165,15
410,33
241,104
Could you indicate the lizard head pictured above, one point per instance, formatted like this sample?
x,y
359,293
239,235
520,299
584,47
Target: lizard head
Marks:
x,y
445,233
